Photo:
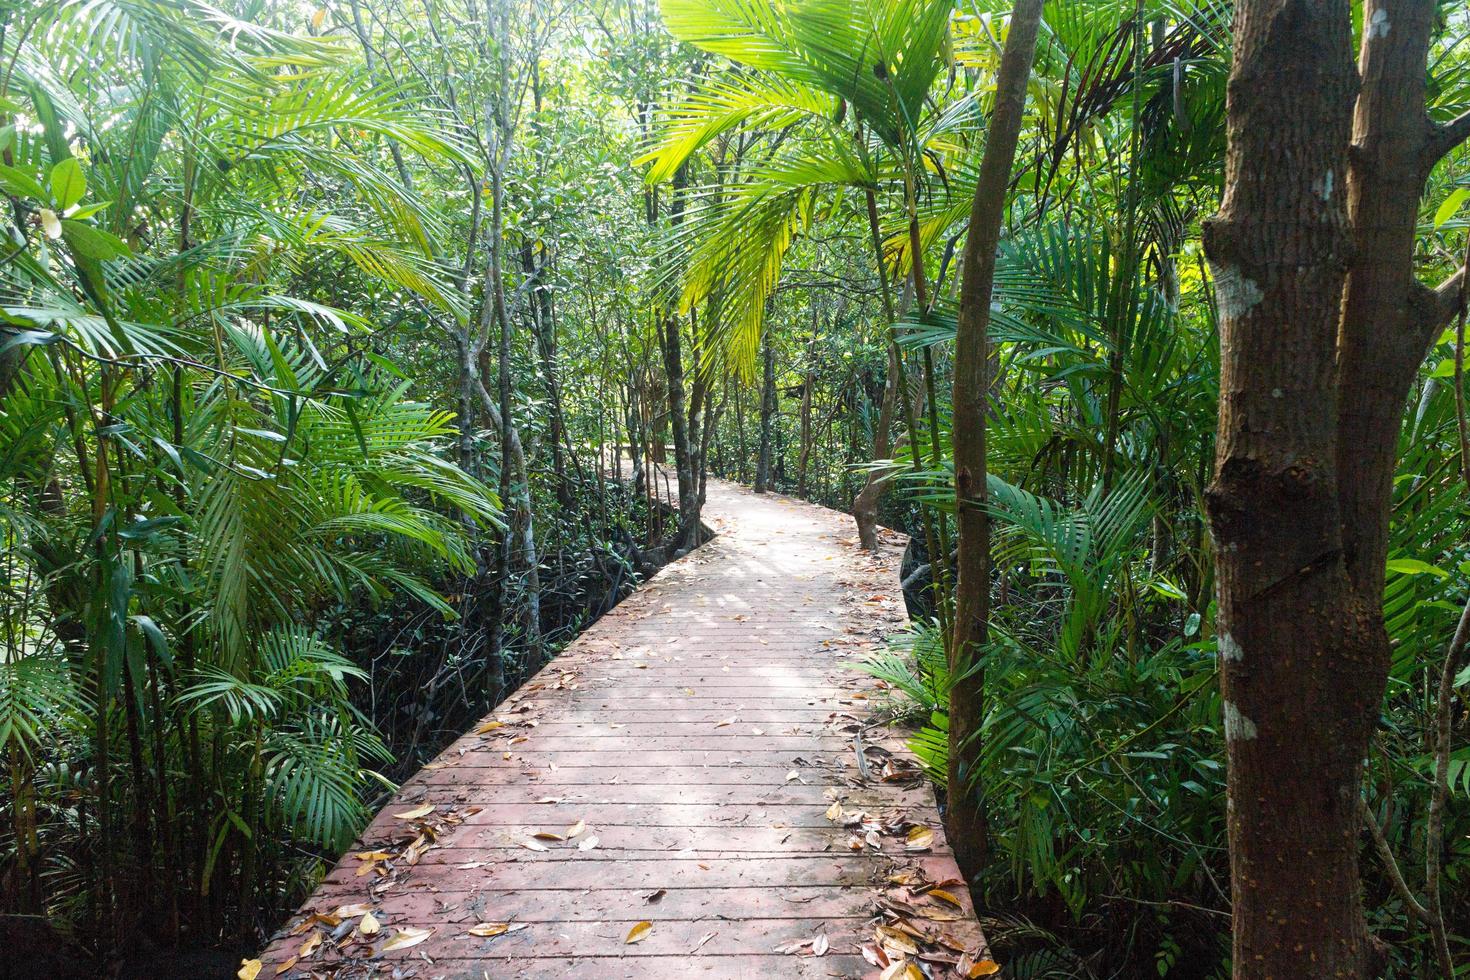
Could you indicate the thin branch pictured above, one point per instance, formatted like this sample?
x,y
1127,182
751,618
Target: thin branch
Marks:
x,y
1391,865
1447,299
1446,137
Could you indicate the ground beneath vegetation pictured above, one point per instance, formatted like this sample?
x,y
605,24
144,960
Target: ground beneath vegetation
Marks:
x,y
696,787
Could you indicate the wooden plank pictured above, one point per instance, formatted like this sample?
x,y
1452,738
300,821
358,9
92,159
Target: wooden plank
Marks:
x,y
702,736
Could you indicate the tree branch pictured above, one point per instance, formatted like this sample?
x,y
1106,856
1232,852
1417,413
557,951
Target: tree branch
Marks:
x,y
1445,137
1443,303
1391,865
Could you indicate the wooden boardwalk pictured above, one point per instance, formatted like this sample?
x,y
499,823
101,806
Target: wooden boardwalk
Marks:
x,y
686,776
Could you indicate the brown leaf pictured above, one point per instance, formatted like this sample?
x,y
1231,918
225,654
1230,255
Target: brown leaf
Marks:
x,y
415,813
309,947
404,938
638,933
984,968
249,969
288,965
654,896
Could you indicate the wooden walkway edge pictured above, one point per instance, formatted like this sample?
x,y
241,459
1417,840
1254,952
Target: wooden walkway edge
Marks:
x,y
678,794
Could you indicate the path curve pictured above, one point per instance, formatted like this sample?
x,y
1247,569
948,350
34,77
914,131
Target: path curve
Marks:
x,y
696,748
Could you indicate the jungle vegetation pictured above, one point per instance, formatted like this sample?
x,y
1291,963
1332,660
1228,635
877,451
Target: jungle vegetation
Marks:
x,y
1144,319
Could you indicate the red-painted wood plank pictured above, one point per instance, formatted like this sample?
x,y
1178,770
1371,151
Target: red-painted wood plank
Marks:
x,y
696,748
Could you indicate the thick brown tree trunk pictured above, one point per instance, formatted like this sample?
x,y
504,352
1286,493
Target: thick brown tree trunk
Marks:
x,y
965,817
1322,327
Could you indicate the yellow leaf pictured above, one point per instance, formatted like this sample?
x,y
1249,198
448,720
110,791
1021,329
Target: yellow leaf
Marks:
x,y
984,968
319,18
490,930
834,812
548,835
289,964
919,839
415,813
249,969
944,896
489,726
638,933
309,947
575,830
404,938
369,925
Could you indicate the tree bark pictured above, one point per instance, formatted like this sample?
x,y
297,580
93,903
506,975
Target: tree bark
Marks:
x,y
1323,326
768,412
965,817
865,504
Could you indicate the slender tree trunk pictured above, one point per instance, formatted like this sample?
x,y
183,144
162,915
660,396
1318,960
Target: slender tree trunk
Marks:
x,y
965,818
742,460
768,412
865,504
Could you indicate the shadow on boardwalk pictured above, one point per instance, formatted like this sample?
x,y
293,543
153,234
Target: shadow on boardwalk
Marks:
x,y
685,774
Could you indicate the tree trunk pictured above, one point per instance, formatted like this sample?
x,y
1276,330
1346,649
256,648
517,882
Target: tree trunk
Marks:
x,y
768,412
965,817
1322,327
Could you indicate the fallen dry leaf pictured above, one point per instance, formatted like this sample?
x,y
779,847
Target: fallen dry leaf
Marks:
x,y
820,945
369,926
548,835
638,933
575,830
415,813
702,940
489,930
919,839
404,938
489,726
249,969
352,911
944,896
307,948
654,896
587,844
531,845
288,965
984,968
902,970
